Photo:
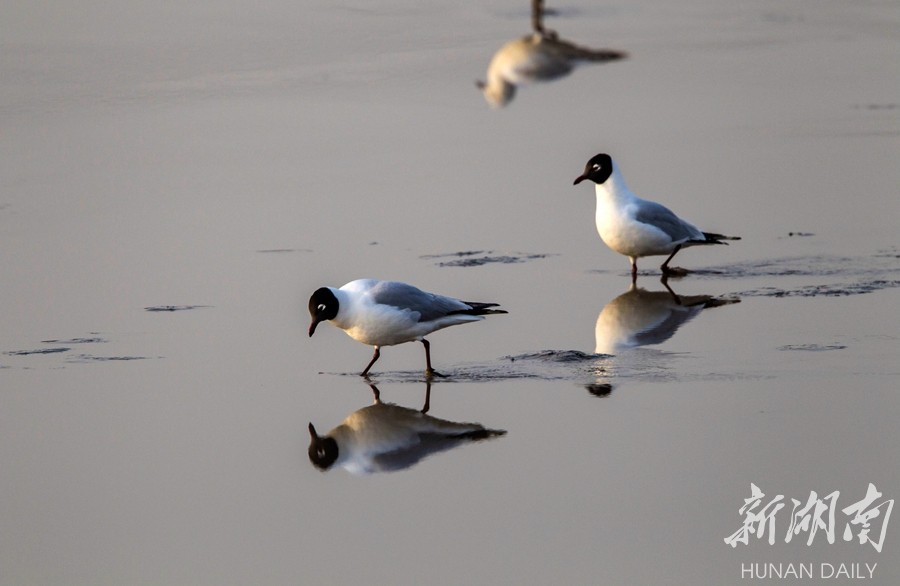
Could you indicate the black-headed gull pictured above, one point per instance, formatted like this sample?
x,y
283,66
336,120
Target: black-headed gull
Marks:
x,y
385,313
384,438
637,227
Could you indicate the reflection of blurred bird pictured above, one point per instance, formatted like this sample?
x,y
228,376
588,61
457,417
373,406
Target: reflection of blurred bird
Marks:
x,y
384,313
639,317
537,57
637,227
384,438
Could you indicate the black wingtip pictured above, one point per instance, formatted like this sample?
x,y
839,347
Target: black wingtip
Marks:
x,y
482,434
713,238
478,308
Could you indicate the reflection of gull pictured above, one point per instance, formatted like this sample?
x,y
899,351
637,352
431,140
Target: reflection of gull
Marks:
x,y
639,317
541,56
384,438
384,313
637,227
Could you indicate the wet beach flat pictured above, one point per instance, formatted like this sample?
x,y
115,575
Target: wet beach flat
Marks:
x,y
176,181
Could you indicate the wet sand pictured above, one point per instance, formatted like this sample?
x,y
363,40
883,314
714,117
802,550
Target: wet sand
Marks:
x,y
177,181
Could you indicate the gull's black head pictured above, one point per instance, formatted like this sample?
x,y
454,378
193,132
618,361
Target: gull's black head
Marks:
x,y
598,169
323,451
323,305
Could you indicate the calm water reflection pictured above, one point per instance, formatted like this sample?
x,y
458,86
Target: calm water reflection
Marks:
x,y
640,317
178,155
384,437
540,56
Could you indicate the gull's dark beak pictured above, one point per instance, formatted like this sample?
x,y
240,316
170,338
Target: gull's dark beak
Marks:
x,y
312,432
312,327
579,179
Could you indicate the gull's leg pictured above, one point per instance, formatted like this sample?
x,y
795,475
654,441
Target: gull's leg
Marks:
x,y
633,269
429,372
371,362
676,272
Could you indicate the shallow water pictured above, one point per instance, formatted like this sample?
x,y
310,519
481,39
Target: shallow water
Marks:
x,y
176,181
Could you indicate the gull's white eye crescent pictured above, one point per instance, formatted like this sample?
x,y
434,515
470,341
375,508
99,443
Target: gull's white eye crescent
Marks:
x,y
321,307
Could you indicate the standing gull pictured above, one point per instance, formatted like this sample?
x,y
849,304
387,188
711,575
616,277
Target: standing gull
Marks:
x,y
385,313
637,227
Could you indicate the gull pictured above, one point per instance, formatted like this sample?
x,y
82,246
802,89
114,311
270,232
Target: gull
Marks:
x,y
637,227
541,56
385,438
385,313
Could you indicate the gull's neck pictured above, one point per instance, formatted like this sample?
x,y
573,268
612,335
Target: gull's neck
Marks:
x,y
345,308
614,189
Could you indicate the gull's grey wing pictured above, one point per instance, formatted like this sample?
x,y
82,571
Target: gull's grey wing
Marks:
x,y
429,305
658,215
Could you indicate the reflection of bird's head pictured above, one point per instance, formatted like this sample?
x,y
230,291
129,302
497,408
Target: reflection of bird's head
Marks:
x,y
323,451
599,389
498,92
323,305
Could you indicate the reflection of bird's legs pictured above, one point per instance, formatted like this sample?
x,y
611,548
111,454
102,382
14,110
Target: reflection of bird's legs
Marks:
x,y
537,20
371,362
429,372
375,392
665,281
427,404
537,16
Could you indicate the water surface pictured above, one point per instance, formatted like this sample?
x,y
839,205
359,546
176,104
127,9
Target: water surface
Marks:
x,y
176,181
